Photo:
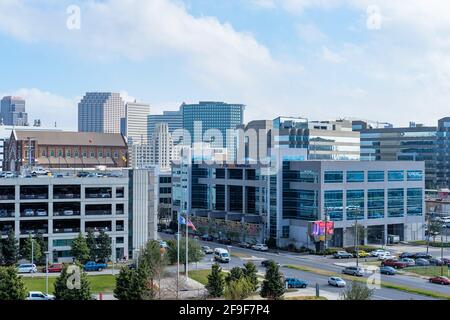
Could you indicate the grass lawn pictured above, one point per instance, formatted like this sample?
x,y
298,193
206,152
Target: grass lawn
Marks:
x,y
201,275
431,271
100,283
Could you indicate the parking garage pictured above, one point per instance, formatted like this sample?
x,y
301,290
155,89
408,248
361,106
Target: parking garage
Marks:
x,y
7,210
66,226
66,192
33,192
33,227
98,209
7,192
66,209
97,226
6,227
100,192
34,209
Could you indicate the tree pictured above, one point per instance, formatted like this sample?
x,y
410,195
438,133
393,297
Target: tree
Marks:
x,y
80,249
357,291
195,252
11,285
130,285
273,286
250,272
238,289
92,245
235,274
152,261
10,249
39,238
72,284
104,247
215,285
31,250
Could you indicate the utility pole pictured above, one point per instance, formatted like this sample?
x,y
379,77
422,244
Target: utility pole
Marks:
x,y
326,231
46,271
356,240
178,253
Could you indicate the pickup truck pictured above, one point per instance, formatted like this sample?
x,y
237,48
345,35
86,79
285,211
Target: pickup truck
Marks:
x,y
94,266
296,283
394,263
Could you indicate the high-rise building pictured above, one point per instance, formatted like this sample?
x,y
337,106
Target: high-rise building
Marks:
x,y
161,146
443,153
174,120
100,112
13,111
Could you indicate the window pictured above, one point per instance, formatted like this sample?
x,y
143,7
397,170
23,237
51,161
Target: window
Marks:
x,y
334,205
68,153
84,154
52,153
334,177
60,153
396,176
415,175
355,204
108,154
120,192
355,176
100,154
396,203
92,155
285,232
308,176
116,154
375,176
44,153
414,201
375,204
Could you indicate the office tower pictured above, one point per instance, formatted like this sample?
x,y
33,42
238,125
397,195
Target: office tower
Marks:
x,y
443,154
100,112
324,140
13,111
174,120
161,146
254,141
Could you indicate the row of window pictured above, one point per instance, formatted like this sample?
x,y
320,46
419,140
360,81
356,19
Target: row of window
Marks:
x,y
76,154
372,176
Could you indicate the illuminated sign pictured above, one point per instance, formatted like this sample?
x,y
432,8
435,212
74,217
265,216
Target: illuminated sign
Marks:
x,y
318,228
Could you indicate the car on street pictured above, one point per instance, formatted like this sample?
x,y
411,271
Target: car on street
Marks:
x,y
422,262
27,268
207,237
336,282
394,264
55,268
260,247
410,262
446,261
221,255
225,241
376,253
38,295
94,266
265,263
436,262
39,172
342,255
245,245
388,270
422,255
409,255
354,271
361,254
295,283
207,250
440,280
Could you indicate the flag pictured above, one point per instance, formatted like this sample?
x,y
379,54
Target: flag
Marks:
x,y
190,224
182,220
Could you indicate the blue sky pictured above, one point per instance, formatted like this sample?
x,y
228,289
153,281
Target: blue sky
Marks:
x,y
378,60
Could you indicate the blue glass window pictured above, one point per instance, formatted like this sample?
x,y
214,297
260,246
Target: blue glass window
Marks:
x,y
375,203
375,176
396,200
355,204
355,176
414,201
334,205
415,175
396,175
334,177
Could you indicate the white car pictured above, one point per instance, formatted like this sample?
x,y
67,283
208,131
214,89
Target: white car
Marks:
x,y
260,247
40,172
28,212
378,252
27,268
41,212
37,295
386,256
336,282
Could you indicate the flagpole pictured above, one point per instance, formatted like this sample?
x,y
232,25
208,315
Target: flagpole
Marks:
x,y
178,254
187,241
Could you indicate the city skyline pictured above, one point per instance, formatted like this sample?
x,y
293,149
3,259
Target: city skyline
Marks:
x,y
321,60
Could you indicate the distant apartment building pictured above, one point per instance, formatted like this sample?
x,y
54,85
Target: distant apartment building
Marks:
x,y
415,143
12,111
50,149
100,112
174,120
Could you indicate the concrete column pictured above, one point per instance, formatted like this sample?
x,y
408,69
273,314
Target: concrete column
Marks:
x,y
385,234
227,199
244,199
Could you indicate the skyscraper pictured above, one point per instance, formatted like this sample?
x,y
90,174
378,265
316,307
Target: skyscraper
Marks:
x,y
161,146
135,122
100,112
174,120
13,111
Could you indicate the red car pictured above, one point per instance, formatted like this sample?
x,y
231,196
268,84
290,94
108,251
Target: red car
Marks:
x,y
394,263
440,280
55,268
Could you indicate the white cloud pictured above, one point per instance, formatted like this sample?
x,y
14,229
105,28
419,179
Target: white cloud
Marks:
x,y
309,32
331,56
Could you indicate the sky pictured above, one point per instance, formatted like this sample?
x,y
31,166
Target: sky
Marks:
x,y
377,60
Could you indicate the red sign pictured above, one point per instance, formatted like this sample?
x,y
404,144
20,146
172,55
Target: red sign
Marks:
x,y
320,227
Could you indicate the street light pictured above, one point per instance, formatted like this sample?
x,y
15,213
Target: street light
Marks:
x,y
46,271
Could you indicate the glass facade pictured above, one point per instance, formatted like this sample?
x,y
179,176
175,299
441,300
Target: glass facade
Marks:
x,y
334,177
355,204
414,201
396,175
334,204
375,176
355,176
396,199
414,175
375,203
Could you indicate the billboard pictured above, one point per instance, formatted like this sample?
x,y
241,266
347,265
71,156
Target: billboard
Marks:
x,y
318,228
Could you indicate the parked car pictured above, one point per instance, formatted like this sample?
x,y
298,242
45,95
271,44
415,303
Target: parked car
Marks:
x,y
94,266
390,271
265,263
342,255
446,261
38,295
39,171
82,174
260,247
440,280
422,255
376,253
55,268
225,241
296,283
221,255
361,254
68,213
386,256
336,282
436,262
410,262
409,255
207,237
354,271
207,250
245,245
394,263
9,174
27,268
168,231
41,212
28,213
3,213
422,262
